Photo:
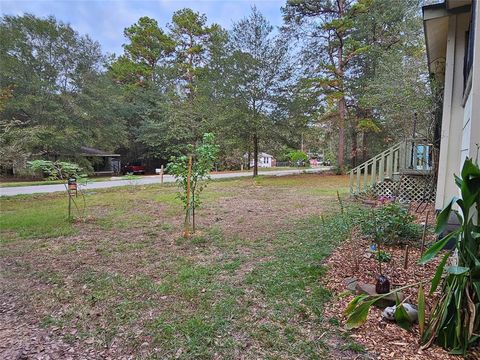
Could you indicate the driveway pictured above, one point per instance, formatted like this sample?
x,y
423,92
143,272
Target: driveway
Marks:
x,y
146,180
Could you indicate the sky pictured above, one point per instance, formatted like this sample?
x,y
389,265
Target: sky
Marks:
x,y
104,20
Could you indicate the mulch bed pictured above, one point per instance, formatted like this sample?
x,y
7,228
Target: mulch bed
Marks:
x,y
383,339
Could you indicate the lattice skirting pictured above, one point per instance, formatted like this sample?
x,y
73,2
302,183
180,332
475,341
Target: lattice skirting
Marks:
x,y
409,188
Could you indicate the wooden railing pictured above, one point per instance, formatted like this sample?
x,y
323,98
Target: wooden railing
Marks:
x,y
409,156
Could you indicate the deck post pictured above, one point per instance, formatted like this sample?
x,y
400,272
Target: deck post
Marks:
x,y
365,177
359,172
390,163
373,179
351,181
402,151
381,169
395,161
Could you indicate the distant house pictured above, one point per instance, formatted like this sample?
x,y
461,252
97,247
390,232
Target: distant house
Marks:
x,y
452,34
103,162
264,160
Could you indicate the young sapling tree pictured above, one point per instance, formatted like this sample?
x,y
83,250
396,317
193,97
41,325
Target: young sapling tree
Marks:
x,y
192,173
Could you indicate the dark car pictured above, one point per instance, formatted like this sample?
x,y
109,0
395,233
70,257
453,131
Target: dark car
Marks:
x,y
135,168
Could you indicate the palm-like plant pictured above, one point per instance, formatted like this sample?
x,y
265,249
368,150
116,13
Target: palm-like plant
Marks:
x,y
455,320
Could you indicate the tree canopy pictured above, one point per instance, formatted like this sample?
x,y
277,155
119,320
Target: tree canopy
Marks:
x,y
339,78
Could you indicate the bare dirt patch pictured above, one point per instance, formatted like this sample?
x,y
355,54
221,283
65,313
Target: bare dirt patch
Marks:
x,y
126,283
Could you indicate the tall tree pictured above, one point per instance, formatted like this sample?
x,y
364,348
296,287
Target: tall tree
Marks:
x,y
385,77
191,36
329,26
45,69
260,64
148,46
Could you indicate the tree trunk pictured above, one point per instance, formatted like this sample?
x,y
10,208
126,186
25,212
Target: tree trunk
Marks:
x,y
341,132
353,154
186,228
364,146
255,154
342,105
193,211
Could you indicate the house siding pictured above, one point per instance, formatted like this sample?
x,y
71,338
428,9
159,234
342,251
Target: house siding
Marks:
x,y
461,117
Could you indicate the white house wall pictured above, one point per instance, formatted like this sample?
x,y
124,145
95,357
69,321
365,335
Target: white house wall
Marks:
x,y
460,121
475,91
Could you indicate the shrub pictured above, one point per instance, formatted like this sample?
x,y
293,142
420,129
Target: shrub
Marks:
x,y
298,158
390,224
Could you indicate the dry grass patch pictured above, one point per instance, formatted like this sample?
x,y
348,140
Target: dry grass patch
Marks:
x,y
125,283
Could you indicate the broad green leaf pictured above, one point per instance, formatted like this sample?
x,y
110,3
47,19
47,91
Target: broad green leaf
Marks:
x,y
476,286
402,318
421,309
458,181
433,250
439,272
457,270
442,218
469,169
353,304
359,315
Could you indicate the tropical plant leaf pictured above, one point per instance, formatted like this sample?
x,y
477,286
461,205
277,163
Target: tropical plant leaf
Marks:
x,y
439,272
476,286
433,250
402,318
353,304
442,217
470,170
359,315
457,270
421,309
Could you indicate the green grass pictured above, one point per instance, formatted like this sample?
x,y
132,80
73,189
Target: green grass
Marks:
x,y
47,182
129,277
26,217
208,306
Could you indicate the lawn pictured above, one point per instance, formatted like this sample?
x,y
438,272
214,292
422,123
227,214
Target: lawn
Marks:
x,y
5,183
124,282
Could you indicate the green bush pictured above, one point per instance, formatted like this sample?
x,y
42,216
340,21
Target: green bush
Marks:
x,y
298,157
390,224
383,256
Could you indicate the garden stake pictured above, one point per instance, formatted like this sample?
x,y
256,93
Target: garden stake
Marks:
x,y
186,233
340,202
424,233
354,255
405,263
161,175
69,205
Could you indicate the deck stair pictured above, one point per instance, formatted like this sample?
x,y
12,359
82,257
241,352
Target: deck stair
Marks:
x,y
403,171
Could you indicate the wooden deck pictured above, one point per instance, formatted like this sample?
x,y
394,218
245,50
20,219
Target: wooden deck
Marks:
x,y
409,158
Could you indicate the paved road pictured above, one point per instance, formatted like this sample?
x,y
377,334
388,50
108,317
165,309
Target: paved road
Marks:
x,y
144,180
